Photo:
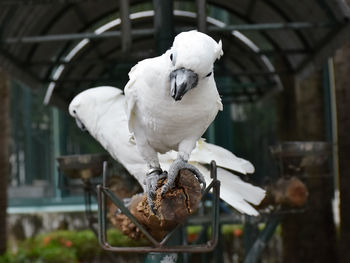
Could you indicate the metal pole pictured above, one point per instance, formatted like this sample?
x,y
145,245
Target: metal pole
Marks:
x,y
126,25
166,29
201,15
163,24
76,36
273,26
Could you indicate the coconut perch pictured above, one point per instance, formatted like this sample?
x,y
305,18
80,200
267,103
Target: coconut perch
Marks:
x,y
289,192
170,209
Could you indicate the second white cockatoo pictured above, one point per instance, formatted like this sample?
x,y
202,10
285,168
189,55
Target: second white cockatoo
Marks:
x,y
171,101
100,111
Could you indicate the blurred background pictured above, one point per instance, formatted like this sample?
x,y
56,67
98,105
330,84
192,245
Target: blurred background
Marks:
x,y
284,83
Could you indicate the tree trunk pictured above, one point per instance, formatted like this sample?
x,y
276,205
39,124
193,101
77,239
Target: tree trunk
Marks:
x,y
4,155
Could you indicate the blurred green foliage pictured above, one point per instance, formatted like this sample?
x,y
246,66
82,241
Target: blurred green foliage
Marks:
x,y
65,247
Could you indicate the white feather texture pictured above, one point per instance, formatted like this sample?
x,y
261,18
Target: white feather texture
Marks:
x,y
101,110
158,122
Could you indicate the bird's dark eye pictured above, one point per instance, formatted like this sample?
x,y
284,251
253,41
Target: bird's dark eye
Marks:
x,y
208,75
171,57
74,111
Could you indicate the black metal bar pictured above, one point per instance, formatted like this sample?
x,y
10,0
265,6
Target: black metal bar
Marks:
x,y
136,56
163,24
102,208
151,31
216,192
201,15
167,237
100,217
126,24
75,36
37,2
260,243
120,205
103,192
274,26
185,256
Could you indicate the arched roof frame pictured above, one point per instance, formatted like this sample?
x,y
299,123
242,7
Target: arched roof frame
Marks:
x,y
299,36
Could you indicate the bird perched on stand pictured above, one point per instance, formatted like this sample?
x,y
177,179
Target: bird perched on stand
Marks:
x,y
101,112
171,101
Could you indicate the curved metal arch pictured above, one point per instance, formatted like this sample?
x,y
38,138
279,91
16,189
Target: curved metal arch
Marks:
x,y
104,15
88,50
258,64
47,28
241,66
118,48
225,5
54,20
86,26
248,20
69,43
288,19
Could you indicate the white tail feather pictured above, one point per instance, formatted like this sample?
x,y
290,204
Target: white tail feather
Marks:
x,y
236,192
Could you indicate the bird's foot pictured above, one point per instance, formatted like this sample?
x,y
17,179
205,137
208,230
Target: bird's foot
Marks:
x,y
174,169
151,183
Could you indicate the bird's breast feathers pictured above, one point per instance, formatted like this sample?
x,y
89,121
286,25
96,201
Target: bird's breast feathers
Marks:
x,y
149,92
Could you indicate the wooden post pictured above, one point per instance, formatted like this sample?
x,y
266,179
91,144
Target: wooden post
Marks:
x,y
341,71
4,155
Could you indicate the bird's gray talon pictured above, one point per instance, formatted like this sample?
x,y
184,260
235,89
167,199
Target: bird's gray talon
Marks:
x,y
164,189
151,183
177,165
157,170
150,203
163,175
201,180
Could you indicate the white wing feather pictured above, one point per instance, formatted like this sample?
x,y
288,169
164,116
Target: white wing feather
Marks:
x,y
205,152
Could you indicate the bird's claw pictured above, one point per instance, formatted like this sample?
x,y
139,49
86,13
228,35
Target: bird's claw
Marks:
x,y
174,169
151,183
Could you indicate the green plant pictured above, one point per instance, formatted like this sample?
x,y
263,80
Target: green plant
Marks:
x,y
116,238
65,247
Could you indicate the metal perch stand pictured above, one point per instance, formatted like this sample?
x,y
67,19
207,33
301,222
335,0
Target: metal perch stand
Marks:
x,y
103,192
86,167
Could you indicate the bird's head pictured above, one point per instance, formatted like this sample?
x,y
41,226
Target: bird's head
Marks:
x,y
74,112
85,102
192,57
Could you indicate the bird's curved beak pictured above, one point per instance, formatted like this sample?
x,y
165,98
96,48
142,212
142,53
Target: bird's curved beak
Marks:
x,y
181,81
80,125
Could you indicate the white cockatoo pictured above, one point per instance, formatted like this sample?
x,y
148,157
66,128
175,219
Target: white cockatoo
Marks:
x,y
171,101
101,111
